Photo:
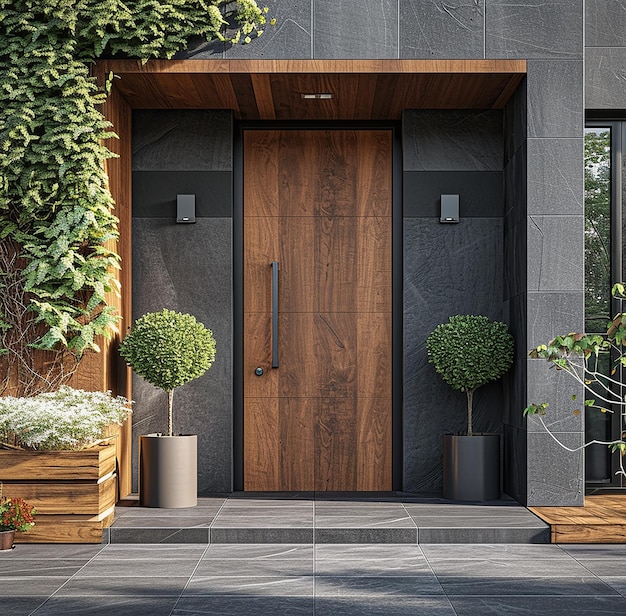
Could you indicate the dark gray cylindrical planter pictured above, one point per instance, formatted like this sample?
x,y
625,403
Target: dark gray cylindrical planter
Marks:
x,y
168,471
471,467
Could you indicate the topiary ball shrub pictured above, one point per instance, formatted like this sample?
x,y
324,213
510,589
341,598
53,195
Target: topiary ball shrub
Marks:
x,y
470,351
168,349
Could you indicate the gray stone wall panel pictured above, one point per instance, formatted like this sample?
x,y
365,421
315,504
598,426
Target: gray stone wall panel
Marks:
x,y
555,177
555,253
355,29
188,268
555,475
430,29
534,29
182,140
480,193
555,98
605,23
453,140
605,78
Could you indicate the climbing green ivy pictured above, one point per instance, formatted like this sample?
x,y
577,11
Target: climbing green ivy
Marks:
x,y
56,212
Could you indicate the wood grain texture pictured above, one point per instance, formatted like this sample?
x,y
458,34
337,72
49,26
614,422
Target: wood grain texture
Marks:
x,y
328,405
67,529
601,520
88,464
261,444
272,89
74,492
64,497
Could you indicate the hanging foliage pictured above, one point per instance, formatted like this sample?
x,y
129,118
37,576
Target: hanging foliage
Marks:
x,y
56,212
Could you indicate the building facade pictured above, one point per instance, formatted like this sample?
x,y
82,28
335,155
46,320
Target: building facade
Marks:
x,y
516,254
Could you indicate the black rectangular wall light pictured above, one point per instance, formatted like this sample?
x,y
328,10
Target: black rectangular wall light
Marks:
x,y
449,208
185,208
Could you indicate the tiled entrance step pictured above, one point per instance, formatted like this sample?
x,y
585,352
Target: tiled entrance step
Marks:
x,y
336,518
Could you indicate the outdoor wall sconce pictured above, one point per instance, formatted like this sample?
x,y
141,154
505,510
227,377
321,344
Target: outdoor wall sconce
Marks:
x,y
449,208
185,208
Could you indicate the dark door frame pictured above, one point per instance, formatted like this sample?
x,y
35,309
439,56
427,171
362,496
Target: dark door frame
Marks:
x,y
397,454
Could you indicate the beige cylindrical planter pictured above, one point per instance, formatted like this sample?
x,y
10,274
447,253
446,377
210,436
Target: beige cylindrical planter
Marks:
x,y
168,471
471,467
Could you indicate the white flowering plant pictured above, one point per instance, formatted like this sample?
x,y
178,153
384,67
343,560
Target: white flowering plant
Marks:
x,y
67,419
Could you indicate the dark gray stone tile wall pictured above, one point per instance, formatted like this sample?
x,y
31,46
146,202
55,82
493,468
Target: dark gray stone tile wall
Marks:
x,y
188,268
452,141
605,23
442,30
554,271
182,140
605,78
605,54
448,269
534,29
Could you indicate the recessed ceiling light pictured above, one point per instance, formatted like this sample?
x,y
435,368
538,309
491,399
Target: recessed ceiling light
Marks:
x,y
316,95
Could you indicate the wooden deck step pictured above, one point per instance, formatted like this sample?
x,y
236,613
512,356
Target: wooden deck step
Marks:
x,y
601,520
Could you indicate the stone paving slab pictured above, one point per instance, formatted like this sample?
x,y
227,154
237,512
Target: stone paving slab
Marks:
x,y
313,580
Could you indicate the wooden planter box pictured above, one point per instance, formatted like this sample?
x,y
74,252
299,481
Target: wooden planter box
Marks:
x,y
74,492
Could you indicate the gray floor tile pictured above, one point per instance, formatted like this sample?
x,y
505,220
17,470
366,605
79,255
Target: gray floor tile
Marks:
x,y
384,606
261,519
617,582
261,535
399,566
51,551
20,606
360,586
503,521
507,568
531,606
366,535
159,535
110,604
259,551
257,567
128,586
34,586
158,512
148,567
363,520
250,606
595,551
603,567
536,585
163,522
283,586
50,568
151,550
483,535
487,551
364,550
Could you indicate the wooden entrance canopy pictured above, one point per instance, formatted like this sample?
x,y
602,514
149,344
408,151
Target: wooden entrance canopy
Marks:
x,y
273,89
268,90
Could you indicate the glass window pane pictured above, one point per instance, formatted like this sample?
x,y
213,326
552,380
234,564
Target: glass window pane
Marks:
x,y
597,229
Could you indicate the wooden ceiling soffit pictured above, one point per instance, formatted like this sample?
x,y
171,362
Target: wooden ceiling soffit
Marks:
x,y
272,89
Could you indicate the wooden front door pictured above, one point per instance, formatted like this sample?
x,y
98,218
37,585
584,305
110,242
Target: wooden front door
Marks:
x,y
317,203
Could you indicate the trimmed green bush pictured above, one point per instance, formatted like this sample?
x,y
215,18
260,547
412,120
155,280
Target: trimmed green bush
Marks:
x,y
470,351
169,349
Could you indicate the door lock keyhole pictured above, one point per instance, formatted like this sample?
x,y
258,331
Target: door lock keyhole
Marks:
x,y
258,371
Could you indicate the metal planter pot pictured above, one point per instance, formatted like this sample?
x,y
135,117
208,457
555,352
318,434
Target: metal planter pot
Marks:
x,y
168,471
471,467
